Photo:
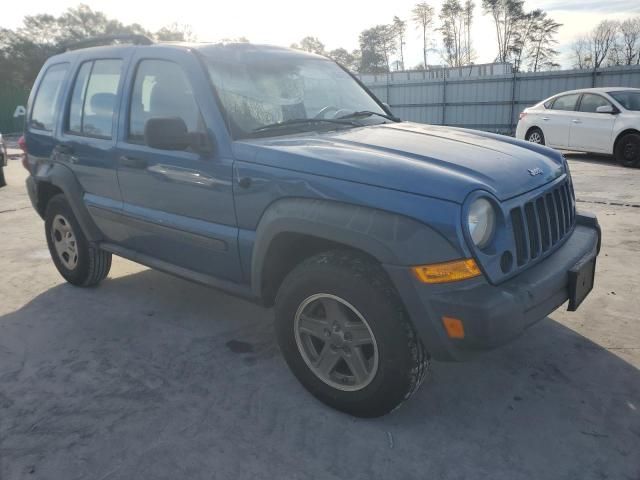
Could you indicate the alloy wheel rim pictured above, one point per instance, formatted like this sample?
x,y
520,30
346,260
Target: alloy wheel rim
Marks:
x,y
336,342
64,242
535,138
629,151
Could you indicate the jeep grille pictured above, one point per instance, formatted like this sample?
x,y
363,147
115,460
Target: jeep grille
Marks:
x,y
541,223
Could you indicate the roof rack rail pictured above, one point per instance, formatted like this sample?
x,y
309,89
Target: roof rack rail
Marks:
x,y
133,38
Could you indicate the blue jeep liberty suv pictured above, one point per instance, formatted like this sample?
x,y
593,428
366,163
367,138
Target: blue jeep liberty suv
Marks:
x,y
276,175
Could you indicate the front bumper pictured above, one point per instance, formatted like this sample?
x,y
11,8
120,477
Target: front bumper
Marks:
x,y
494,314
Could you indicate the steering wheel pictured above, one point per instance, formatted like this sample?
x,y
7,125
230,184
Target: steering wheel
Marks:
x,y
330,108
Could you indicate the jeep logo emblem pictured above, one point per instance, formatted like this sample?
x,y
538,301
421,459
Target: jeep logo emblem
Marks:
x,y
535,171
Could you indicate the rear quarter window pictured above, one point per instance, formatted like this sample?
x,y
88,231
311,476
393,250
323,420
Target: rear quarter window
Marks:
x,y
43,113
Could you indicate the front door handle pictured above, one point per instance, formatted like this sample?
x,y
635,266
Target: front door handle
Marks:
x,y
132,162
575,120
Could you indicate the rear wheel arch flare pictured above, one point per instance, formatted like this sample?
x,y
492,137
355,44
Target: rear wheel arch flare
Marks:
x,y
46,191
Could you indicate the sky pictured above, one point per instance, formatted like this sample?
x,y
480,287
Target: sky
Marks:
x,y
337,23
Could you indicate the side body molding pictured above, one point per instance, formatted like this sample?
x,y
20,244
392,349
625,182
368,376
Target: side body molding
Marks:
x,y
391,238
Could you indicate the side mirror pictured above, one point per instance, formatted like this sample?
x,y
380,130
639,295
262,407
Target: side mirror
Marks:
x,y
605,109
167,133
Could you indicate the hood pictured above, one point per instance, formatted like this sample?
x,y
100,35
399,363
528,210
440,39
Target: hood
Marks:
x,y
441,162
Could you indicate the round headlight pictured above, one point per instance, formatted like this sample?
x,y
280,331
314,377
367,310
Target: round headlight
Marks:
x,y
482,222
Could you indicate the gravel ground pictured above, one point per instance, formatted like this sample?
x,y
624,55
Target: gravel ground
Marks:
x,y
149,376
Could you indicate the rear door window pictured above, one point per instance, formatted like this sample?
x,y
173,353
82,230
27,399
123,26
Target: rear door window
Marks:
x,y
43,114
94,98
566,102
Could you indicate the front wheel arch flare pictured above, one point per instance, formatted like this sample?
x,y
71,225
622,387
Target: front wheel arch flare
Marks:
x,y
387,237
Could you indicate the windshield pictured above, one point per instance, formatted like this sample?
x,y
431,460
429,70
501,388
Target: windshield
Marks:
x,y
630,100
267,91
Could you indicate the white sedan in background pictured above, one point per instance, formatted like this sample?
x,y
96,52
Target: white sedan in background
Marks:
x,y
598,120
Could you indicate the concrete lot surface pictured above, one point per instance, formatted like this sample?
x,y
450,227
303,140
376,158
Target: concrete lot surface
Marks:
x,y
151,377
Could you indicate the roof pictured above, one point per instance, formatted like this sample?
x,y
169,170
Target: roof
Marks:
x,y
234,49
599,90
222,51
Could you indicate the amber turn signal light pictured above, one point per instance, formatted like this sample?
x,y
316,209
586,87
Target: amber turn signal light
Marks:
x,y
454,327
448,271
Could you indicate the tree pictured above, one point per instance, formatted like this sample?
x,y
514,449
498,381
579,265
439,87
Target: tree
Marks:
x,y
349,60
453,33
630,41
542,39
241,39
82,22
310,44
507,18
24,50
176,33
377,45
523,37
601,40
423,14
41,29
467,14
400,28
581,54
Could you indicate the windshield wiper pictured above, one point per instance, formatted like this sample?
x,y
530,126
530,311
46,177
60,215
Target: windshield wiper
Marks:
x,y
369,113
304,121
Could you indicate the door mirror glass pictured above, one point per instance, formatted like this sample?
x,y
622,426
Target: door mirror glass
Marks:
x,y
166,133
605,109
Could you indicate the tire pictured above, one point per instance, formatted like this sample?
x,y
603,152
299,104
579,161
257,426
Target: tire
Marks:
x,y
535,135
396,363
628,150
78,261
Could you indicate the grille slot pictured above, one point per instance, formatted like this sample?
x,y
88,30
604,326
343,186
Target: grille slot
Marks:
x,y
542,222
522,252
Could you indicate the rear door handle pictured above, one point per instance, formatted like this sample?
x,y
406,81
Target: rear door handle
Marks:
x,y
545,118
132,162
575,120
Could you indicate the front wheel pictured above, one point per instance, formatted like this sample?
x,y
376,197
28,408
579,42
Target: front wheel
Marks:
x,y
77,260
628,150
535,135
344,334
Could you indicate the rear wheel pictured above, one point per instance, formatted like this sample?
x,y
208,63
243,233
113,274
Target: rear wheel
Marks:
x,y
345,335
535,135
628,150
77,260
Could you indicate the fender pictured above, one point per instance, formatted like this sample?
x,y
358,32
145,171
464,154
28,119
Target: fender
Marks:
x,y
62,177
390,238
